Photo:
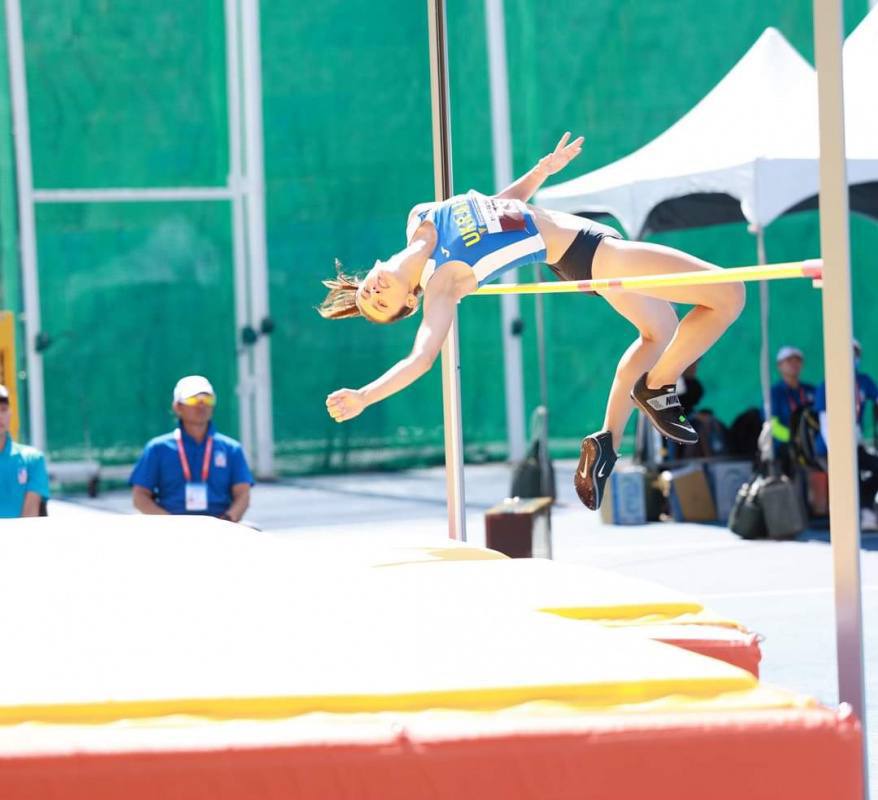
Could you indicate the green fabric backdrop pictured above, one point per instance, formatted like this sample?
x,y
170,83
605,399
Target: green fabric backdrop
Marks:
x,y
133,94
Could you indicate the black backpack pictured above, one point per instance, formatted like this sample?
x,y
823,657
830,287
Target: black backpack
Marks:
x,y
534,476
804,433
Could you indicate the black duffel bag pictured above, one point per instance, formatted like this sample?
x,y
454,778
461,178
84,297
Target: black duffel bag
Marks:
x,y
746,518
768,507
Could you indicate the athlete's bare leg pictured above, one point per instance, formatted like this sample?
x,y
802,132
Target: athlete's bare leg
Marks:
x,y
716,306
656,322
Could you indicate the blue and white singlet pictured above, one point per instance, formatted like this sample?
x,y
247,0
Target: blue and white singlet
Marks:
x,y
490,234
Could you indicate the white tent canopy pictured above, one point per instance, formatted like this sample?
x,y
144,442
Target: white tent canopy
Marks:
x,y
861,112
748,150
861,100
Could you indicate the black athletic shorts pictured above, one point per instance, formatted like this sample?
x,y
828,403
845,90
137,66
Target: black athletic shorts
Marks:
x,y
577,261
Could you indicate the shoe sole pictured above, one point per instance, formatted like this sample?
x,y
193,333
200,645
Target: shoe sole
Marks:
x,y
583,458
648,411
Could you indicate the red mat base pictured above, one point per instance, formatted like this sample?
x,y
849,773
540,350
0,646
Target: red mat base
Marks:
x,y
807,754
734,647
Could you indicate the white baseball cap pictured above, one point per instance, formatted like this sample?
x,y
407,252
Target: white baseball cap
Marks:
x,y
787,351
190,386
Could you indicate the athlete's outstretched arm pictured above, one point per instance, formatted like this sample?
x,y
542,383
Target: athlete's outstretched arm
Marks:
x,y
345,404
526,186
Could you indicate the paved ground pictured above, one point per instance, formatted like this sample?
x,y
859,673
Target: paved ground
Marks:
x,y
783,590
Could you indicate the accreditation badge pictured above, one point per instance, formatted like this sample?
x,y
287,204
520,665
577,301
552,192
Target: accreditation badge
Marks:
x,y
196,497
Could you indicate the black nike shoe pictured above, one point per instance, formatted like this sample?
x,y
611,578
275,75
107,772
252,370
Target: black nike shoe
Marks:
x,y
662,407
596,461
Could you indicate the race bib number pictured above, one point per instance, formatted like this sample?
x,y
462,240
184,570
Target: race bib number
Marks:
x,y
501,216
196,497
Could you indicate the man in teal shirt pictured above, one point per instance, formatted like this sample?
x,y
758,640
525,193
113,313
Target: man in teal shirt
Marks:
x,y
24,483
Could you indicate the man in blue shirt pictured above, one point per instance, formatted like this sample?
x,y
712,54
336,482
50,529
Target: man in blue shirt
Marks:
x,y
788,395
867,462
24,483
193,469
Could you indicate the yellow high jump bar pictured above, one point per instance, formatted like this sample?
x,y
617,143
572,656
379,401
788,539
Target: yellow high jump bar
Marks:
x,y
812,268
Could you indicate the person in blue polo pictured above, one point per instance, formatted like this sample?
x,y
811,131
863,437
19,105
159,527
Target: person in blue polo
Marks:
x,y
193,469
24,483
788,395
865,391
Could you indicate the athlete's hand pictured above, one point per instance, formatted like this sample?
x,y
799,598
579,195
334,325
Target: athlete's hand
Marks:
x,y
345,404
562,155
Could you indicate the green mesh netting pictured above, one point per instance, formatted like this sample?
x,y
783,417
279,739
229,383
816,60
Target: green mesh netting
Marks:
x,y
133,295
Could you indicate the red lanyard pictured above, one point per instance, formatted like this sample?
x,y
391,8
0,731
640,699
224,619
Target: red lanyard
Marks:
x,y
790,403
184,462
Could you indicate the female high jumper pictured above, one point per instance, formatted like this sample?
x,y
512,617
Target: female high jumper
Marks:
x,y
457,245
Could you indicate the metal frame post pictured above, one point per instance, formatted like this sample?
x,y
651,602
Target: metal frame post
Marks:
x,y
245,190
239,256
251,58
838,357
10,279
542,367
501,139
442,181
27,225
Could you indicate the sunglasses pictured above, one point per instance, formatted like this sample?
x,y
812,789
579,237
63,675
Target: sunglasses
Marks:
x,y
199,399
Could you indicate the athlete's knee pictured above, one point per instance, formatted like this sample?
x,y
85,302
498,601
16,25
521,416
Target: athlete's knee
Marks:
x,y
727,300
660,330
734,297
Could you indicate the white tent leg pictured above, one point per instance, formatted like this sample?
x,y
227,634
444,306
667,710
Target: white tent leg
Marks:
x,y
764,308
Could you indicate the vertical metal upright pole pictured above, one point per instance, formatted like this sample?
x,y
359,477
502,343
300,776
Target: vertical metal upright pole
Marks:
x,y
244,383
442,181
27,225
256,244
838,358
501,138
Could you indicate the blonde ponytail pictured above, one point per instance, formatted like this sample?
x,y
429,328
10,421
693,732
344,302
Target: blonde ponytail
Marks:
x,y
341,302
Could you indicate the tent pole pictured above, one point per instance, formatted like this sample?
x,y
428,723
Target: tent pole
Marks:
x,y
442,181
839,363
764,305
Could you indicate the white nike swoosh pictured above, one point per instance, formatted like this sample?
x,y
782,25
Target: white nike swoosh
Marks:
x,y
601,472
584,475
684,427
